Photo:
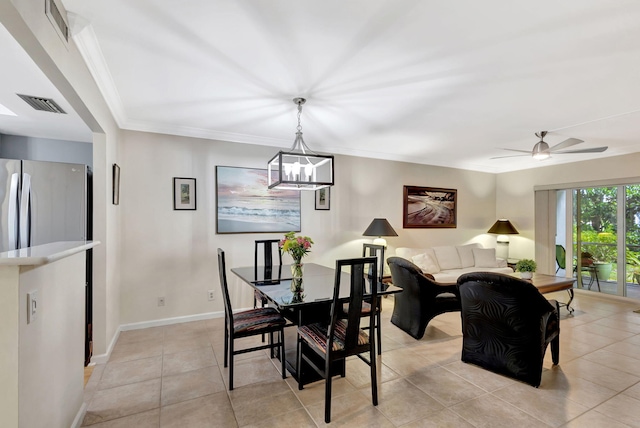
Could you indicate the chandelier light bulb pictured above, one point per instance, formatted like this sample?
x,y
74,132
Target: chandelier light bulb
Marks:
x,y
296,168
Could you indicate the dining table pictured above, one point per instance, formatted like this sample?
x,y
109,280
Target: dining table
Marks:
x,y
311,304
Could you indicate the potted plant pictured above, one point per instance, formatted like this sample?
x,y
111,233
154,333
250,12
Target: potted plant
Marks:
x,y
526,267
633,271
586,259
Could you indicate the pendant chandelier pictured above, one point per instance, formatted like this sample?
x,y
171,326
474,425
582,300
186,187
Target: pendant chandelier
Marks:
x,y
300,168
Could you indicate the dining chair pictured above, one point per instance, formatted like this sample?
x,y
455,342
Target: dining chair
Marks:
x,y
247,323
321,345
377,251
265,248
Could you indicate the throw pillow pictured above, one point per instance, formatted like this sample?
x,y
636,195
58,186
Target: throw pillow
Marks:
x,y
485,257
447,257
466,254
426,263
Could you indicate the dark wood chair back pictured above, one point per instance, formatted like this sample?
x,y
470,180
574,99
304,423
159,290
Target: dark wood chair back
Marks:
x,y
372,250
222,271
268,252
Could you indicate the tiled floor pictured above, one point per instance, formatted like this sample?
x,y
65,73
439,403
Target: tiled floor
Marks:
x,y
173,376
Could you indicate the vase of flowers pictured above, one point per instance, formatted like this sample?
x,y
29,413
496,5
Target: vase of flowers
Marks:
x,y
297,247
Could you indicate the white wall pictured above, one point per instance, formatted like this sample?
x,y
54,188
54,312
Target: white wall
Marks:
x,y
64,66
515,197
172,254
52,345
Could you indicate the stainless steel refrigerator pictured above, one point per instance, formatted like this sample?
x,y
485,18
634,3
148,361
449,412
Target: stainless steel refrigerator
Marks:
x,y
42,202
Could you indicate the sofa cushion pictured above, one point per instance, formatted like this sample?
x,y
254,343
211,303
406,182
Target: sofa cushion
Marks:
x,y
485,257
466,254
447,257
426,262
447,277
408,253
451,276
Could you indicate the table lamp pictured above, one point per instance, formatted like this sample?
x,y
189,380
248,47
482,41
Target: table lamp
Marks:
x,y
503,227
380,227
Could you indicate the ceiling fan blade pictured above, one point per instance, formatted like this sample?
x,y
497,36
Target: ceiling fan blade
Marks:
x,y
566,143
517,150
511,156
592,150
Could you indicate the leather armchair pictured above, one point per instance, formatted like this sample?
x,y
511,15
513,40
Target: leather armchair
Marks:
x,y
507,325
421,299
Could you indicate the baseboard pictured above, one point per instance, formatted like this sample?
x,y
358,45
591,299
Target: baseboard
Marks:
x,y
103,358
170,321
77,421
599,295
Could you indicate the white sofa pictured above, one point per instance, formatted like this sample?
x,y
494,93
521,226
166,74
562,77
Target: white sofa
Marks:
x,y
447,263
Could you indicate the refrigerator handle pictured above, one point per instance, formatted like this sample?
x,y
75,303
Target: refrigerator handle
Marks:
x,y
25,211
13,211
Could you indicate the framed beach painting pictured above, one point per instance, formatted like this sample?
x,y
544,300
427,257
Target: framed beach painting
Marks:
x,y
246,205
429,207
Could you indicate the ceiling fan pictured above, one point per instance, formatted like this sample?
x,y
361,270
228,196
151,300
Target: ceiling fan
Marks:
x,y
542,151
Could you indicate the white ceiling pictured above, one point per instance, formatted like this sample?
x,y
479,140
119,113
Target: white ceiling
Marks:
x,y
20,75
445,83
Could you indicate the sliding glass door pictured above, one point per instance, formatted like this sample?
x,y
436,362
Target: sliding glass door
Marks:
x,y
606,239
632,237
596,238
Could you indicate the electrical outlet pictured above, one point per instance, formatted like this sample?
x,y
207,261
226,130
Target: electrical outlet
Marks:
x,y
211,295
32,306
160,301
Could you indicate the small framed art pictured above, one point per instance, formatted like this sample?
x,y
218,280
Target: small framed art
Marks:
x,y
323,198
184,193
115,184
429,207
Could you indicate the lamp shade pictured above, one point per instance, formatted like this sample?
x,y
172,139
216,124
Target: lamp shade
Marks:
x,y
503,227
379,227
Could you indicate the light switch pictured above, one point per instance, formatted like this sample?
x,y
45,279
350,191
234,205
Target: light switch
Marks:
x,y
32,306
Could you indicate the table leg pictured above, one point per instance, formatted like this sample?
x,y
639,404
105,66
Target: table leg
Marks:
x,y
568,304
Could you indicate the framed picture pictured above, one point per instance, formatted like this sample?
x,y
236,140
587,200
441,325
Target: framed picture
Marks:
x,y
245,204
425,207
184,193
115,184
323,198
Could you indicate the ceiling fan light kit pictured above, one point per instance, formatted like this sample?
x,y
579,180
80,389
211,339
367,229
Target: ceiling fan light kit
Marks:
x,y
300,168
541,151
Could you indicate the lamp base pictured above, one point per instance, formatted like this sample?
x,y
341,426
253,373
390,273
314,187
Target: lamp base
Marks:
x,y
380,241
502,250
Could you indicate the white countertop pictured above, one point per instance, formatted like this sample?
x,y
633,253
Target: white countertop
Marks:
x,y
46,253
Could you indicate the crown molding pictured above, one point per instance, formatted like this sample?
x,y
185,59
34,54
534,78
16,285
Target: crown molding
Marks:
x,y
91,52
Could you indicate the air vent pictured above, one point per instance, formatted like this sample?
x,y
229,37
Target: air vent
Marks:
x,y
57,19
42,104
